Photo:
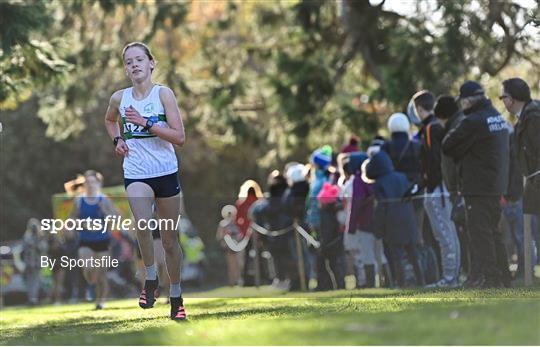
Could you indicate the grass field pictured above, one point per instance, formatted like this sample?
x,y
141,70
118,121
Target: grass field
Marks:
x,y
379,316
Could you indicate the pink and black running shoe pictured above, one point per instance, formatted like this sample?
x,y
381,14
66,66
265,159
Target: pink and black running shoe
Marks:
x,y
178,312
149,294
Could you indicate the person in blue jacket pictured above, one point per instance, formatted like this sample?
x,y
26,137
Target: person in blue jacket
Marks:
x,y
394,220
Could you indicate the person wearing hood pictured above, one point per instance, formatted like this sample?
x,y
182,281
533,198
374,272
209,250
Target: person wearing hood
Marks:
x,y
437,200
405,155
321,160
369,255
481,144
394,220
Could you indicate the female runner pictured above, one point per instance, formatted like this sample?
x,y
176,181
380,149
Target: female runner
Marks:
x,y
151,126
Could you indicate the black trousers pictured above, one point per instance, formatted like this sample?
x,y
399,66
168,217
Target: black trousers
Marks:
x,y
331,271
488,253
393,254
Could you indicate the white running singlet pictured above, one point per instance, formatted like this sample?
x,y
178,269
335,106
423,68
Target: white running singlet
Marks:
x,y
148,156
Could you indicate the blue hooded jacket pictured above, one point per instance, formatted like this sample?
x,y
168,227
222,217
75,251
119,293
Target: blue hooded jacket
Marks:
x,y
394,219
313,213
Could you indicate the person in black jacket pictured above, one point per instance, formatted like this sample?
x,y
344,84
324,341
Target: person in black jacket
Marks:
x,y
295,203
516,96
517,100
436,202
274,215
481,143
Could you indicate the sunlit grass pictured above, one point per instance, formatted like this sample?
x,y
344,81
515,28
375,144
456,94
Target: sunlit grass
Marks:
x,y
227,317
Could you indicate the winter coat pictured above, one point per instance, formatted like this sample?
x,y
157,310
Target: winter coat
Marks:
x,y
405,155
295,199
272,213
360,216
528,142
394,220
330,236
515,179
242,208
432,134
481,143
313,216
451,169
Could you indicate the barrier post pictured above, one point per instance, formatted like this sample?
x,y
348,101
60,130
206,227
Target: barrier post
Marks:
x,y
300,259
527,254
255,240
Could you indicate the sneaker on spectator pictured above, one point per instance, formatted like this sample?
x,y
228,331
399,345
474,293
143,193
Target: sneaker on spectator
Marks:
x,y
443,283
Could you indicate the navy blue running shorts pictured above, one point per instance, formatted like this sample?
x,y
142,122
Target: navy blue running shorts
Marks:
x,y
163,186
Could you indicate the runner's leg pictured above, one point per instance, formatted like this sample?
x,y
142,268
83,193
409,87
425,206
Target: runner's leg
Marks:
x,y
141,199
169,209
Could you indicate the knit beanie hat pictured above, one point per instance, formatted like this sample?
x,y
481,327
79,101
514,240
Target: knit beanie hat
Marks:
x,y
328,194
296,173
398,122
322,157
445,107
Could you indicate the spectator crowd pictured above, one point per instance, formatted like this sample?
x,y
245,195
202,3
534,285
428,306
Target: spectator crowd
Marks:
x,y
433,206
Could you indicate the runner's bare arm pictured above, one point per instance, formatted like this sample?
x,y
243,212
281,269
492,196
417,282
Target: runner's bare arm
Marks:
x,y
111,122
175,133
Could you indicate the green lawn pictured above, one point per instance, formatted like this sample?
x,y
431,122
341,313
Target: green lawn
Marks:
x,y
379,316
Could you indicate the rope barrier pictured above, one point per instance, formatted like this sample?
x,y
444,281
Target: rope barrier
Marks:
x,y
236,246
533,174
274,233
307,236
239,246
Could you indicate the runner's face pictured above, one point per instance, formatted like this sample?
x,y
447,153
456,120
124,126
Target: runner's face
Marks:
x,y
138,66
92,184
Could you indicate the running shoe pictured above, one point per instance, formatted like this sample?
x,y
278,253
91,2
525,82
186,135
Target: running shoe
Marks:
x,y
149,294
99,306
443,283
178,312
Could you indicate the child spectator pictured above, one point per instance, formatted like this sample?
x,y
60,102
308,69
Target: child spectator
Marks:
x,y
394,219
331,270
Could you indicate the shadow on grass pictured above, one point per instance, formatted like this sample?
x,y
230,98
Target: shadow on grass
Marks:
x,y
138,327
251,293
73,327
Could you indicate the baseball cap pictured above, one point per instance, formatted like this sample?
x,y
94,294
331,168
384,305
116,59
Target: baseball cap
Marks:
x,y
470,88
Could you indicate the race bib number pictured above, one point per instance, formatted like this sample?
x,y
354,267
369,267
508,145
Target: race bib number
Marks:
x,y
138,131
